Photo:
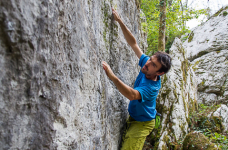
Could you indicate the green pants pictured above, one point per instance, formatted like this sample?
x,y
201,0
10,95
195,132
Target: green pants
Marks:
x,y
135,134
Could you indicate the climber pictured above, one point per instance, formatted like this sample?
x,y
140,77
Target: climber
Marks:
x,y
142,106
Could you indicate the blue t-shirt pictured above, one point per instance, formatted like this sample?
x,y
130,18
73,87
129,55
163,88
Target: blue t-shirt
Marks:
x,y
145,108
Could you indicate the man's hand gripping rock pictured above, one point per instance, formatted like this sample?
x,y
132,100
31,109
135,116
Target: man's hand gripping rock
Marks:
x,y
108,71
115,14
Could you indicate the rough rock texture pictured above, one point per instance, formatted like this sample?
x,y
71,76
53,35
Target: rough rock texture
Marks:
x,y
177,97
198,141
207,49
223,113
53,91
198,74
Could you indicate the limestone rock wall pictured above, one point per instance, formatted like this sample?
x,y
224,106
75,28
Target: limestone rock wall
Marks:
x,y
207,49
53,91
223,113
198,75
177,97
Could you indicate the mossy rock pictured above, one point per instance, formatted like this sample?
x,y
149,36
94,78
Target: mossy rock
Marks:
x,y
198,141
190,37
214,123
219,126
219,11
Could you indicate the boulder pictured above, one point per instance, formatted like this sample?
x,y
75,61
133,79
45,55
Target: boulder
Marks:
x,y
197,141
222,112
207,50
177,97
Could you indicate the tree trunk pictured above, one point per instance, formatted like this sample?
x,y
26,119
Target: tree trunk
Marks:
x,y
182,15
161,38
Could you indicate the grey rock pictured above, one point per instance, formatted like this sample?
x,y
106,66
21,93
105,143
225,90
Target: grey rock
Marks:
x,y
177,97
54,93
207,49
223,113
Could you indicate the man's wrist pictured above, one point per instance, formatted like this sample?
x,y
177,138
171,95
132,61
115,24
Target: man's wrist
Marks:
x,y
114,78
119,21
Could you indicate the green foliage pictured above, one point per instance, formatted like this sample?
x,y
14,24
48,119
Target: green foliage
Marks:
x,y
176,18
210,127
144,26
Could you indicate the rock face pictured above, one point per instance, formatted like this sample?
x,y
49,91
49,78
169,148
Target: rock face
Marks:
x,y
54,93
177,97
223,113
198,74
207,49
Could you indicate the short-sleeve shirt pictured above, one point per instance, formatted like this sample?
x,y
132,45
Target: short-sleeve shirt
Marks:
x,y
145,108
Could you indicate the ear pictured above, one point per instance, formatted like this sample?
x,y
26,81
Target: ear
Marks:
x,y
160,73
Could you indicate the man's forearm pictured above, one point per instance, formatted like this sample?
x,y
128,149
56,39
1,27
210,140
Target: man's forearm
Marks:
x,y
126,90
127,34
130,39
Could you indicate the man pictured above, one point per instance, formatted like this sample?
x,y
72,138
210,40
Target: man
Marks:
x,y
142,106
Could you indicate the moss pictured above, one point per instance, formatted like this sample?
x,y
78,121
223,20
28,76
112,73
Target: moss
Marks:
x,y
164,79
191,80
203,82
218,123
224,13
198,55
219,11
154,137
190,37
161,108
197,141
110,28
182,126
184,68
170,130
138,3
168,121
104,36
175,94
164,147
181,50
183,98
200,72
106,19
197,62
193,105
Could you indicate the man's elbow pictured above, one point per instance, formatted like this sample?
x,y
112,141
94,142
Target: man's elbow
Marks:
x,y
131,99
134,96
134,44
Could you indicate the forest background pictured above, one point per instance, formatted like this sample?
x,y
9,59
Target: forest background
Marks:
x,y
178,13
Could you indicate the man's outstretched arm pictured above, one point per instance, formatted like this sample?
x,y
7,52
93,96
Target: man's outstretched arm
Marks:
x,y
124,89
128,35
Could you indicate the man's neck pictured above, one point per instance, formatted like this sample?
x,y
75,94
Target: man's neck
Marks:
x,y
154,78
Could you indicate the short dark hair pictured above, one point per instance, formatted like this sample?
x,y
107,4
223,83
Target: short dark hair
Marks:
x,y
165,60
